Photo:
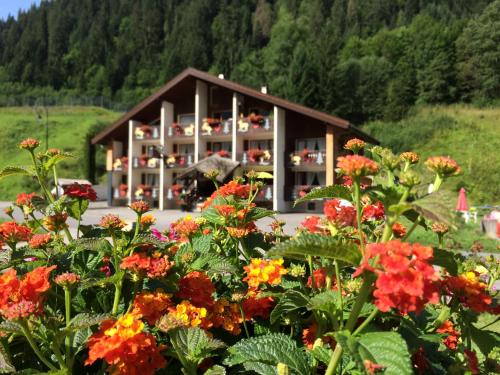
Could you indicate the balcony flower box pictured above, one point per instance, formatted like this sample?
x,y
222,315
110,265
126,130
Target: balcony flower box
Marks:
x,y
221,153
143,160
120,164
123,189
146,132
210,126
143,191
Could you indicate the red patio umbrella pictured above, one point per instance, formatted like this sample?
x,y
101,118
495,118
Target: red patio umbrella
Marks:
x,y
462,201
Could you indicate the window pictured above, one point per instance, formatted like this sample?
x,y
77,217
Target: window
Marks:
x,y
225,115
184,149
315,144
218,146
260,144
310,178
186,119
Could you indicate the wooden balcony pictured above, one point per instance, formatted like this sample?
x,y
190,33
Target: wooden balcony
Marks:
x,y
177,130
265,194
147,132
212,128
146,162
308,160
145,192
179,160
257,158
255,125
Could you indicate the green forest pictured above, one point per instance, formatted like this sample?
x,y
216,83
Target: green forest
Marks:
x,y
360,59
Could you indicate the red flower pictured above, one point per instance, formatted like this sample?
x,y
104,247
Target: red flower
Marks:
x,y
185,227
356,166
24,199
154,267
373,211
343,215
443,166
225,210
472,361
39,241
399,230
22,298
420,363
12,233
311,223
406,280
451,340
151,306
111,221
29,144
355,145
372,368
125,347
197,288
469,290
309,335
257,307
140,207
319,278
80,191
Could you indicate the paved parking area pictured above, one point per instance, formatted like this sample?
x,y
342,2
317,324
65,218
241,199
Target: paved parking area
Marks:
x,y
163,218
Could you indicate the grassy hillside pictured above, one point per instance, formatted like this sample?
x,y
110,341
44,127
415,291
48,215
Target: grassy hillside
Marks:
x,y
68,127
468,134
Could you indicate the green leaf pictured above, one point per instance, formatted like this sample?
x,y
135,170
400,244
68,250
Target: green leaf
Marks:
x,y
213,264
290,301
387,349
263,353
215,370
325,301
485,340
445,259
77,208
310,244
86,320
322,354
53,160
202,244
258,213
6,366
333,191
10,326
13,171
437,207
193,344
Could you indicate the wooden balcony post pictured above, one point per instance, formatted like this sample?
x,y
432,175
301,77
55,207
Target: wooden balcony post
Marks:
x,y
167,118
279,203
234,145
200,112
330,155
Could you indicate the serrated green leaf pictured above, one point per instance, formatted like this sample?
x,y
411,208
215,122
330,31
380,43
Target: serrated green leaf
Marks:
x,y
387,349
322,354
213,264
325,301
86,320
290,301
263,353
258,213
6,366
10,326
194,345
311,244
55,159
77,208
215,370
437,207
485,340
326,192
445,259
201,244
13,171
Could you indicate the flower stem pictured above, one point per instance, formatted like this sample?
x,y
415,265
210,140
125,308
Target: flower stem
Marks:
x,y
437,183
34,346
79,218
339,290
412,228
242,312
357,193
137,225
118,292
311,270
67,306
367,321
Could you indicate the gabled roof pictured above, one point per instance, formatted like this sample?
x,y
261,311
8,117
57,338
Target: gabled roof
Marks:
x,y
240,89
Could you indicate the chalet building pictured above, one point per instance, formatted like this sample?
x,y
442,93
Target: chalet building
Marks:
x,y
197,114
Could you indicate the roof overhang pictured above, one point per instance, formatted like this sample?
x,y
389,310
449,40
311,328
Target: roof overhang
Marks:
x,y
158,96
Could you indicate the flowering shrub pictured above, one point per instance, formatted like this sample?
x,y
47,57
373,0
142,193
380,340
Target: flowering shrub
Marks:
x,y
349,293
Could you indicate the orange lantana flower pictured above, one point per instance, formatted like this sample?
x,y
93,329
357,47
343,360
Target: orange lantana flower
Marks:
x,y
262,271
125,347
151,305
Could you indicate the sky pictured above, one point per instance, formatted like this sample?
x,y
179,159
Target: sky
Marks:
x,y
12,6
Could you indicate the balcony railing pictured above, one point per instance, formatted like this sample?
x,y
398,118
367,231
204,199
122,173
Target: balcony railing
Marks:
x,y
308,158
212,127
255,124
147,132
180,130
179,160
298,191
256,157
146,192
265,194
146,162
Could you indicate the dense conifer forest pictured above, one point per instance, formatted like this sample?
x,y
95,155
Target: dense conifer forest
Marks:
x,y
360,59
